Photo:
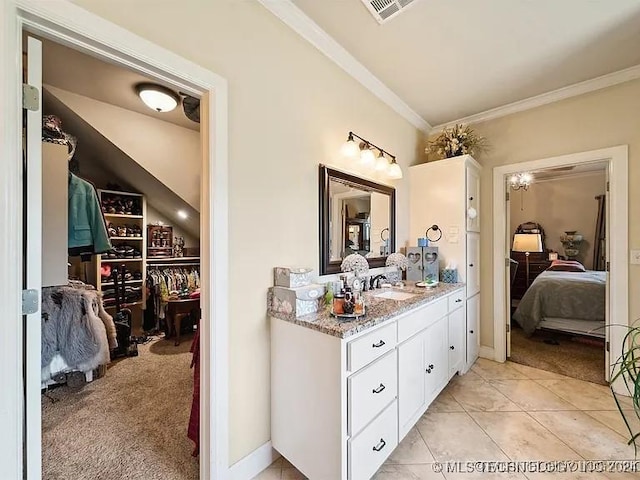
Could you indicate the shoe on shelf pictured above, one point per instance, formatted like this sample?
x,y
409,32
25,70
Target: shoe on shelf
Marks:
x,y
112,230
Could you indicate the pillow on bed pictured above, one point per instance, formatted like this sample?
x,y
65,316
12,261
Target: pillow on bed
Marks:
x,y
566,266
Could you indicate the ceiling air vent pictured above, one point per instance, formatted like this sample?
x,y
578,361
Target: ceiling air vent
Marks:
x,y
384,10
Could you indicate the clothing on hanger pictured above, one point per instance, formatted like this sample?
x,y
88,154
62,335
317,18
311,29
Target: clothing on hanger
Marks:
x,y
87,229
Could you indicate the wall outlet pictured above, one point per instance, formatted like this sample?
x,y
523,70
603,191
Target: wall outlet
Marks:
x,y
635,257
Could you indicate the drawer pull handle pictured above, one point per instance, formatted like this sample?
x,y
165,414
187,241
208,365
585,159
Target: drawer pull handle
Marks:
x,y
379,344
380,446
379,389
429,368
458,300
452,347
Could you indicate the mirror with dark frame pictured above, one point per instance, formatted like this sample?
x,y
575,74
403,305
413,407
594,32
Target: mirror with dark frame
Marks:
x,y
356,216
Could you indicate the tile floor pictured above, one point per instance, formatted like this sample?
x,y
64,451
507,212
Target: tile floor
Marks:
x,y
506,412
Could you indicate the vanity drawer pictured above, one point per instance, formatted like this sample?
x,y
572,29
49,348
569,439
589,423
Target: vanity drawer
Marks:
x,y
366,349
368,451
370,390
456,300
421,319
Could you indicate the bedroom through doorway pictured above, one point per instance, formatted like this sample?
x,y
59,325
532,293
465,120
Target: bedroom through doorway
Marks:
x,y
557,233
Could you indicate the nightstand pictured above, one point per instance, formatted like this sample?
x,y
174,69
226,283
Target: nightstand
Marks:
x,y
538,263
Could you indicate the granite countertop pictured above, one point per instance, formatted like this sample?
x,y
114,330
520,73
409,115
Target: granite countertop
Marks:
x,y
378,310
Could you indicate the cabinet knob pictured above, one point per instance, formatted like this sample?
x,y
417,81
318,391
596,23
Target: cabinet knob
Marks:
x,y
379,344
379,389
458,300
470,199
471,264
452,347
470,331
380,445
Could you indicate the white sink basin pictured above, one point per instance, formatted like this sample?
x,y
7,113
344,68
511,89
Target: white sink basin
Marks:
x,y
394,295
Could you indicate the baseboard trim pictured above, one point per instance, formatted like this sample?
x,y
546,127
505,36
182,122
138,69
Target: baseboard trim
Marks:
x,y
487,352
254,463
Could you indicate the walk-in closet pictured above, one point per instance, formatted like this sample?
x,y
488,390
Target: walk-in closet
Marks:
x,y
120,272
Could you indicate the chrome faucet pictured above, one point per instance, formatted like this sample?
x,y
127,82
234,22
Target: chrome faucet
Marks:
x,y
375,281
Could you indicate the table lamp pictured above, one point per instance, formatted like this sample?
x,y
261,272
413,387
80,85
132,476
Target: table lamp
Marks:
x,y
527,243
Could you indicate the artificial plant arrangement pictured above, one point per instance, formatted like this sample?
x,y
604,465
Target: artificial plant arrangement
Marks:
x,y
627,368
399,261
457,140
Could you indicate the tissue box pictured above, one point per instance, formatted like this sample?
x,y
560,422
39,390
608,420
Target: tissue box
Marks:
x,y
292,277
297,301
449,275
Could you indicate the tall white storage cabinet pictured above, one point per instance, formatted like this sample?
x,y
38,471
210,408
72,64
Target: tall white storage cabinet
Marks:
x,y
447,193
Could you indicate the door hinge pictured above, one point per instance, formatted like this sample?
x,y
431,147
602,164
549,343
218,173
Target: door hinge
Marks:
x,y
30,301
508,328
607,185
30,97
608,266
607,346
507,196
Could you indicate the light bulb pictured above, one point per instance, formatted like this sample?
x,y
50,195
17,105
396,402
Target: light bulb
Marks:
x,y
350,149
368,158
394,171
182,214
381,163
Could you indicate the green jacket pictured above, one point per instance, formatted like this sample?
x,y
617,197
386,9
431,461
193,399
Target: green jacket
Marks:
x,y
86,223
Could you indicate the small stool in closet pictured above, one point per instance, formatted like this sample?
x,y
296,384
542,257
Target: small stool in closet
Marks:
x,y
176,310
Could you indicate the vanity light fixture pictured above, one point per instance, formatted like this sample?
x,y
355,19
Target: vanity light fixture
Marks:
x,y
157,97
351,148
521,181
394,171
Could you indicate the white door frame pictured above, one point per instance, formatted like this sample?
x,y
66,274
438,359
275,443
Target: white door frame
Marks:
x,y
66,23
617,160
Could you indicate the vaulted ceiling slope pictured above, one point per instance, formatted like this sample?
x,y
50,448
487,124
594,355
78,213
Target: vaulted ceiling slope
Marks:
x,y
103,159
451,59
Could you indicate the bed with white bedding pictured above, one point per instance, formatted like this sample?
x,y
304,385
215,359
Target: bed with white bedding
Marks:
x,y
568,301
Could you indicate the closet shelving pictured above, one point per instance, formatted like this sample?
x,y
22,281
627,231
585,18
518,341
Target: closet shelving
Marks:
x,y
113,202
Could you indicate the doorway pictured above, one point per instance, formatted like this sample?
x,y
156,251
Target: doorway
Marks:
x,y
70,26
557,275
616,307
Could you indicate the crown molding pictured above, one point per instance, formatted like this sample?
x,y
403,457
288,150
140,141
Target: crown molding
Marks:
x,y
587,86
304,26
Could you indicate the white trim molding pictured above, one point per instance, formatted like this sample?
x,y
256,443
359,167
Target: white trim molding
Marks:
x,y
618,311
598,83
63,22
250,466
304,26
487,352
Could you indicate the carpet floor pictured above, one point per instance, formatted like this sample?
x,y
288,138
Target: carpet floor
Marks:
x,y
571,355
129,424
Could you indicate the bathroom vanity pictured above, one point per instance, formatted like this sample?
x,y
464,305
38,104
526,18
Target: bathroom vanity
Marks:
x,y
344,394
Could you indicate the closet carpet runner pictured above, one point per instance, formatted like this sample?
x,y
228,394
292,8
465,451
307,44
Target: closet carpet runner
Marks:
x,y
130,424
571,355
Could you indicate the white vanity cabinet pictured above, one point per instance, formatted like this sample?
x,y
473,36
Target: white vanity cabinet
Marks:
x,y
447,193
339,406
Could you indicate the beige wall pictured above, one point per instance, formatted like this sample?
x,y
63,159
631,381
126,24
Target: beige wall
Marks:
x,y
290,108
154,216
596,120
561,204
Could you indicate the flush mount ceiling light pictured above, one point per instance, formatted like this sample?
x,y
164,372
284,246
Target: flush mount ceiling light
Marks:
x,y
182,214
366,151
519,181
157,97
